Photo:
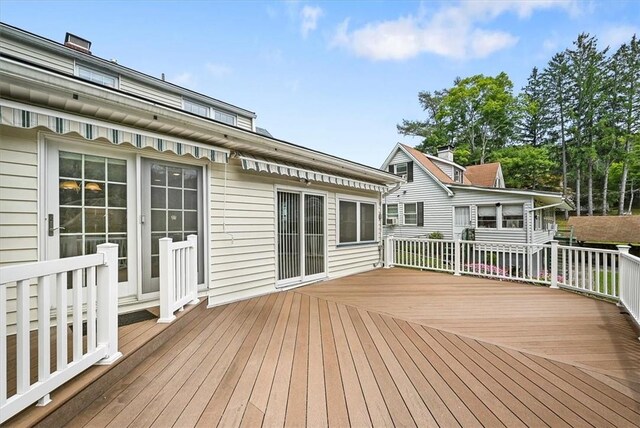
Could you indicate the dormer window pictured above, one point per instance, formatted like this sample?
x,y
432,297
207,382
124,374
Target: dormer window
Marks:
x,y
96,76
404,169
206,111
457,175
195,108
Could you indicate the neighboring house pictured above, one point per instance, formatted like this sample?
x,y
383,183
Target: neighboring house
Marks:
x,y
607,231
442,196
91,151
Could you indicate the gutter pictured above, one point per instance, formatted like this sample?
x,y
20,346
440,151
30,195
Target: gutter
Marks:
x,y
546,206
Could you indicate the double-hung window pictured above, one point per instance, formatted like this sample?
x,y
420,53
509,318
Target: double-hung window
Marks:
x,y
411,214
512,216
391,213
487,216
196,108
357,222
206,111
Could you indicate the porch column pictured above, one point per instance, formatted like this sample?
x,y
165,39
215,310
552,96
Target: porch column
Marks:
x,y
554,264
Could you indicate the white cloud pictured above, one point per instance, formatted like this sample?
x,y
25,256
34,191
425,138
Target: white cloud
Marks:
x,y
185,79
616,35
218,70
454,31
310,16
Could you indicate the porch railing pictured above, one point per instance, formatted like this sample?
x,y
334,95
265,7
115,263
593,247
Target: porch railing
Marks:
x,y
178,276
606,273
93,282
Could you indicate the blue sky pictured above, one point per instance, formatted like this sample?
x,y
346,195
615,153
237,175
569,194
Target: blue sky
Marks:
x,y
334,76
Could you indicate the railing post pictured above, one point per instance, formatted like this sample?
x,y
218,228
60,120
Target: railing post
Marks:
x,y
107,302
622,249
388,252
193,268
554,264
457,257
166,281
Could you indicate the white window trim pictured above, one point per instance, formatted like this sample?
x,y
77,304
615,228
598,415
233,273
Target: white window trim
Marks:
x,y
116,77
502,217
358,200
211,111
498,216
284,283
386,208
404,213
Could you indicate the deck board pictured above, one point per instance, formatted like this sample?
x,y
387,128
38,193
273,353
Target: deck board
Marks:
x,y
337,354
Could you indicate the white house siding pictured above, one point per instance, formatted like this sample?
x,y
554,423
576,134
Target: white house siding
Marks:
x,y
447,168
243,233
149,92
437,203
18,205
37,56
245,123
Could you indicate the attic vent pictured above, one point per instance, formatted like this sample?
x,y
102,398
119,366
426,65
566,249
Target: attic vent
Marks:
x,y
78,43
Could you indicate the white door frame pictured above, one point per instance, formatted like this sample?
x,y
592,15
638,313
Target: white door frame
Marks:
x,y
456,231
303,277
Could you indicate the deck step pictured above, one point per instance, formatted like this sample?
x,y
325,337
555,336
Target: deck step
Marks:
x,y
71,398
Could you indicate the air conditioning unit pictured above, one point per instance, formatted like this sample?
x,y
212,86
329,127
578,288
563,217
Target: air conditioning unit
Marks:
x,y
392,221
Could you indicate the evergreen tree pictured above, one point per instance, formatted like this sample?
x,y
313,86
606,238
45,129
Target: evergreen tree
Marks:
x,y
532,126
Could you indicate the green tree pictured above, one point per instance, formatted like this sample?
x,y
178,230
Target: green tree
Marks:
x,y
628,58
586,82
527,167
555,82
532,125
434,129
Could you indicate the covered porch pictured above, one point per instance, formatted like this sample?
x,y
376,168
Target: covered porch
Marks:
x,y
387,347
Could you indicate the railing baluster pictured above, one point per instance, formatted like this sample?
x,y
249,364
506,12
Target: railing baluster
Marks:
x,y
44,333
61,320
77,313
23,357
91,309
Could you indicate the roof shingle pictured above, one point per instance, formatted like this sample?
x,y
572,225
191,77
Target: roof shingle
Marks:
x,y
607,229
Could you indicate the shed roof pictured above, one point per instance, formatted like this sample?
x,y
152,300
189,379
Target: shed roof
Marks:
x,y
607,229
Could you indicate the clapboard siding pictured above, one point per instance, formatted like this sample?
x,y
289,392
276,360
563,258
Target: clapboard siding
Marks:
x,y
35,55
244,123
18,196
438,209
146,91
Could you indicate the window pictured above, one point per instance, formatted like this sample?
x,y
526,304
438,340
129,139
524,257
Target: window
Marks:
x,y
487,217
225,117
457,175
462,216
403,169
411,214
93,206
391,213
96,76
195,108
357,222
512,216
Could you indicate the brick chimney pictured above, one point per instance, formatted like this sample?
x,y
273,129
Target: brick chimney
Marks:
x,y
77,43
446,153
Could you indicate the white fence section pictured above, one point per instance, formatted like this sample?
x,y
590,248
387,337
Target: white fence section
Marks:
x,y
178,276
94,298
606,273
630,282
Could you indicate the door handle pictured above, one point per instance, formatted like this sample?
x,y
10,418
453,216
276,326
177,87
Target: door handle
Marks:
x,y
52,229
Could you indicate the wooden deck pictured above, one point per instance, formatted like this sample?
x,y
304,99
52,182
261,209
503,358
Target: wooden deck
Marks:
x,y
388,347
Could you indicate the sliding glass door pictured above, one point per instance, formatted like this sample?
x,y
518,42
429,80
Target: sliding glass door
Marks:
x,y
301,237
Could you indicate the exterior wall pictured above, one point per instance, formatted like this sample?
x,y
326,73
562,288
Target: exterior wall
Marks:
x,y
37,56
438,209
448,169
18,205
243,233
245,123
146,91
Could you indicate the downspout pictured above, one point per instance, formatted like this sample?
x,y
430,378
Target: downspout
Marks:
x,y
380,248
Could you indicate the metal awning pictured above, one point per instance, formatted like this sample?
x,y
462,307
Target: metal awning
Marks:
x,y
24,116
259,164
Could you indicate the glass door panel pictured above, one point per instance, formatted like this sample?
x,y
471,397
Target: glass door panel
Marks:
x,y
288,235
171,208
314,234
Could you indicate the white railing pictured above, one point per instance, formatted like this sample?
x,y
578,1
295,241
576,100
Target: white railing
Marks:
x,y
606,273
178,276
630,283
94,299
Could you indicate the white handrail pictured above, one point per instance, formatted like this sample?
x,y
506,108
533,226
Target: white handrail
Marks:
x,y
178,276
605,273
97,275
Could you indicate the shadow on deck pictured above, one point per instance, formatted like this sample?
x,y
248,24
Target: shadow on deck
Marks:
x,y
387,347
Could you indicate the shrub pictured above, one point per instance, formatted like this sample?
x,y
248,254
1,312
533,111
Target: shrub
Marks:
x,y
436,235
